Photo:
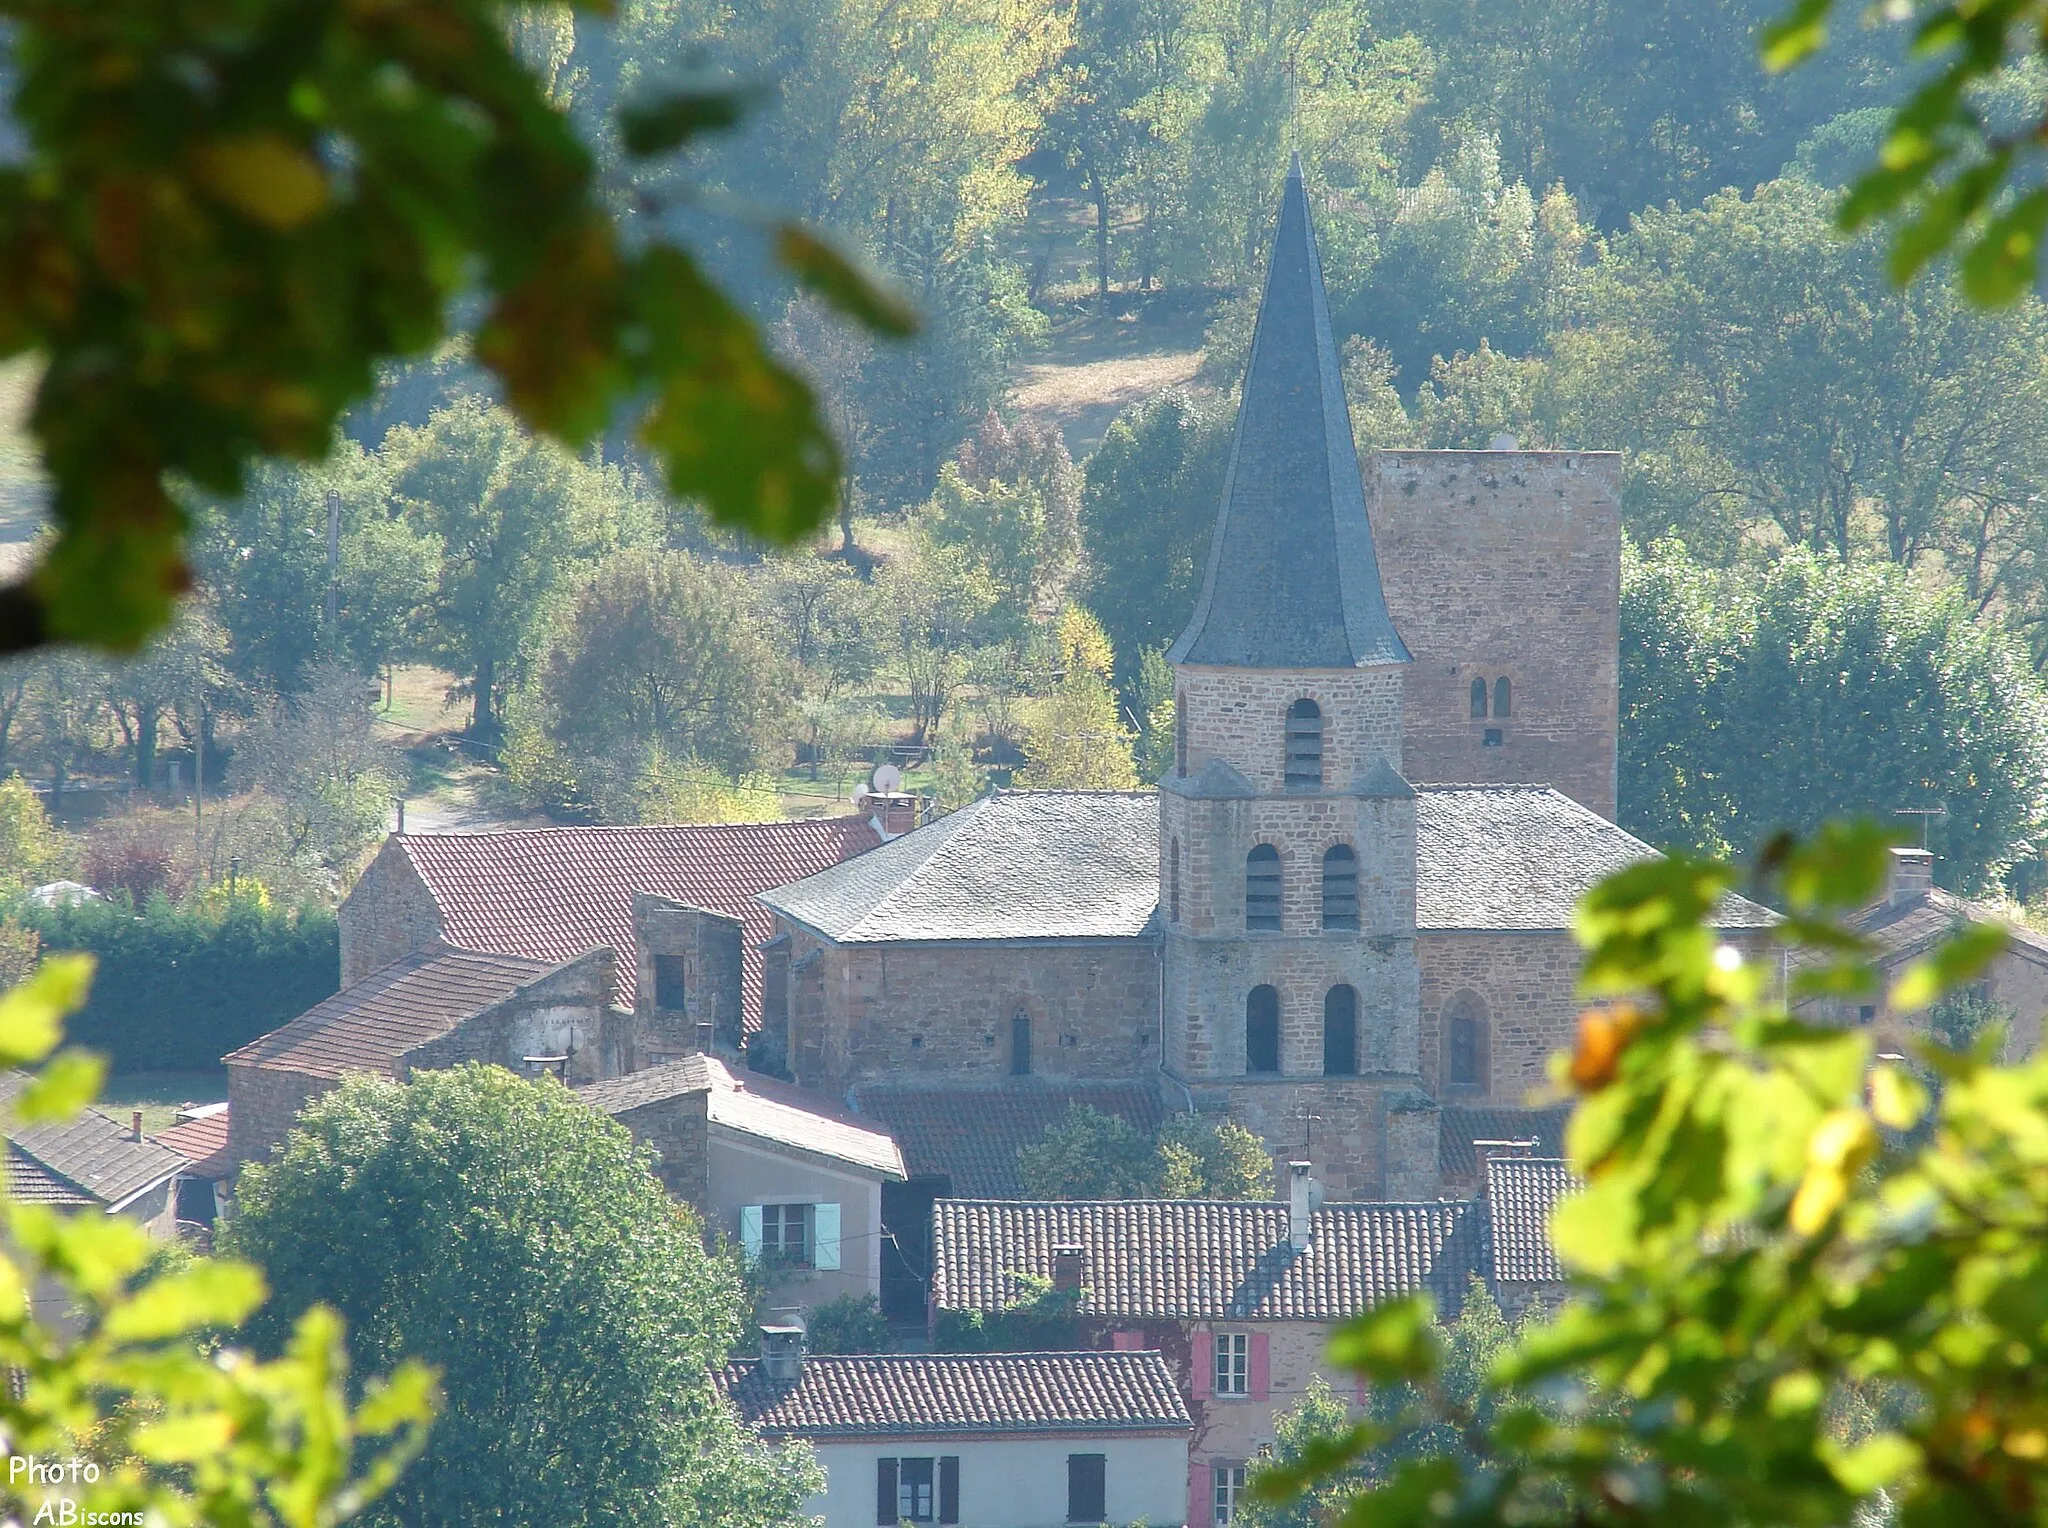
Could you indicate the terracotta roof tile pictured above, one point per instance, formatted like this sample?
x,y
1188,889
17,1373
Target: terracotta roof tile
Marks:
x,y
921,1394
1520,1194
1202,1260
970,1136
552,893
203,1143
368,1027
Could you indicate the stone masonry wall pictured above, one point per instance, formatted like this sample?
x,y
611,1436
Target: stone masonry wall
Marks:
x,y
263,1104
1526,982
1240,716
860,1013
561,1013
388,913
710,945
1506,563
679,1131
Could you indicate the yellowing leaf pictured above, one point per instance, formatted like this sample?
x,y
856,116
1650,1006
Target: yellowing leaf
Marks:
x,y
208,1293
264,177
1897,1098
1820,1194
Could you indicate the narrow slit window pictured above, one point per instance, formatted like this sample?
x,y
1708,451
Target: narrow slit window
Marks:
x,y
1304,769
1173,879
1479,700
1503,697
1340,888
1340,1032
1262,1030
1262,889
1465,1041
1020,1044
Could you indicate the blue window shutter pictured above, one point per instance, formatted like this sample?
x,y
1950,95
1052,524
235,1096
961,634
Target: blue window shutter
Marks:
x,y
825,1236
750,1231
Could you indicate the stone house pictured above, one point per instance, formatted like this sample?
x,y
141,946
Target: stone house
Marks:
x,y
200,1136
92,1162
1240,1299
434,1007
994,1440
1907,921
675,901
797,1184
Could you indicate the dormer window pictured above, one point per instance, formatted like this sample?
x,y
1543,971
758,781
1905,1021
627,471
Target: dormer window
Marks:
x,y
1262,889
1304,769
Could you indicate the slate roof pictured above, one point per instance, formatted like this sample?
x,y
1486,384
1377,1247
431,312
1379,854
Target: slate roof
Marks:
x,y
92,1159
368,1027
1085,864
970,1136
551,893
924,1394
754,1106
1200,1260
1293,580
1520,857
1019,865
1520,1194
1458,1127
1909,927
203,1143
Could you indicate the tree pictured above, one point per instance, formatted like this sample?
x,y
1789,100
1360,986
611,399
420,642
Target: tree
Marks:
x,y
238,307
141,1372
1147,508
318,757
657,665
849,1324
944,607
1088,1154
182,670
1752,1269
1076,739
507,1234
32,848
1779,697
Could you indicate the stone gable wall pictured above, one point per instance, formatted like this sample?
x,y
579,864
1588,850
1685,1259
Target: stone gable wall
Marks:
x,y
1526,981
679,1131
1240,716
1506,563
387,913
710,944
263,1104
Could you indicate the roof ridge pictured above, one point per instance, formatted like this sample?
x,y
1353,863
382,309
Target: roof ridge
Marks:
x,y
594,829
964,817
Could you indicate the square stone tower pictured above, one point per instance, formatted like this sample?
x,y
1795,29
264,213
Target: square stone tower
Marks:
x,y
1287,834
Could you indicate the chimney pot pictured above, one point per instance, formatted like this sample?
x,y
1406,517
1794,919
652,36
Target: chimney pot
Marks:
x,y
1298,1205
1912,873
1069,1267
782,1353
135,1126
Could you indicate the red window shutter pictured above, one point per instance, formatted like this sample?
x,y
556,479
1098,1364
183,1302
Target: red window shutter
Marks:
x,y
1202,1366
1200,1491
1262,1365
1361,1391
1127,1342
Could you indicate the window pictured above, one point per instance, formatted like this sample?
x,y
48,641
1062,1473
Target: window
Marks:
x,y
791,1235
1180,735
1340,888
1304,766
1173,879
1495,736
668,983
1087,1488
1479,700
1867,1014
1234,1360
1262,889
1262,1030
1465,1041
1229,1483
917,1490
1020,1044
1340,1032
1503,694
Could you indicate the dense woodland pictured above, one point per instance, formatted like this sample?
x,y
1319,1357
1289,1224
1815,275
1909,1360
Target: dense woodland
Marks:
x,y
1584,223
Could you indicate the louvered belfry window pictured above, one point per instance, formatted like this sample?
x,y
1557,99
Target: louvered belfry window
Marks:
x,y
1304,769
1340,888
1262,888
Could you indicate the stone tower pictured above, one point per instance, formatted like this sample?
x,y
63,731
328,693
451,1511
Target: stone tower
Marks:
x,y
1287,834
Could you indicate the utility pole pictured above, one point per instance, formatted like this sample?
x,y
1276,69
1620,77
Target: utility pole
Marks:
x,y
334,569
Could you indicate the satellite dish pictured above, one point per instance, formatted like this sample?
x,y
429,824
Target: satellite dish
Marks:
x,y
887,779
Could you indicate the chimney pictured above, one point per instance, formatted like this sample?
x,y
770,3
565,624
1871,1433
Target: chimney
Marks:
x,y
1298,1205
1069,1267
135,1126
1912,875
782,1353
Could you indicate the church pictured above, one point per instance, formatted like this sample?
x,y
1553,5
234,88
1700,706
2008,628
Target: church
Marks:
x,y
1343,918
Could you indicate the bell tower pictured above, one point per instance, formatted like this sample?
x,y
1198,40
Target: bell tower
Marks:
x,y
1287,834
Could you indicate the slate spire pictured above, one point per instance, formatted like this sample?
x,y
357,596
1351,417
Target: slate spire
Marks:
x,y
1293,580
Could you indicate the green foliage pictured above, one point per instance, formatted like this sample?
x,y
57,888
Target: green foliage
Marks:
x,y
1776,698
178,988
1088,1154
32,848
317,756
1040,1319
1157,706
211,280
849,1324
1076,739
132,1373
499,1229
1751,1272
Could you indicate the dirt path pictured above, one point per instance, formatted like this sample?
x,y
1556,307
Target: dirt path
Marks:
x,y
1094,369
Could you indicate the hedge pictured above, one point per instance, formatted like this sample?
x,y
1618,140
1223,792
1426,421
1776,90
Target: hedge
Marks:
x,y
178,988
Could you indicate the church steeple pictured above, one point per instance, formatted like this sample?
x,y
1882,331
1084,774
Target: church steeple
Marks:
x,y
1293,580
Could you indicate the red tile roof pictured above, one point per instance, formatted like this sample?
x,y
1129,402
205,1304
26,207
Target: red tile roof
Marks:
x,y
923,1394
970,1135
552,893
1520,1194
201,1142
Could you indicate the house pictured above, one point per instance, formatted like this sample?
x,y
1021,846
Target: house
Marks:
x,y
200,1136
92,1162
797,1183
674,901
1241,1299
993,1440
435,1006
1908,920
1520,1192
